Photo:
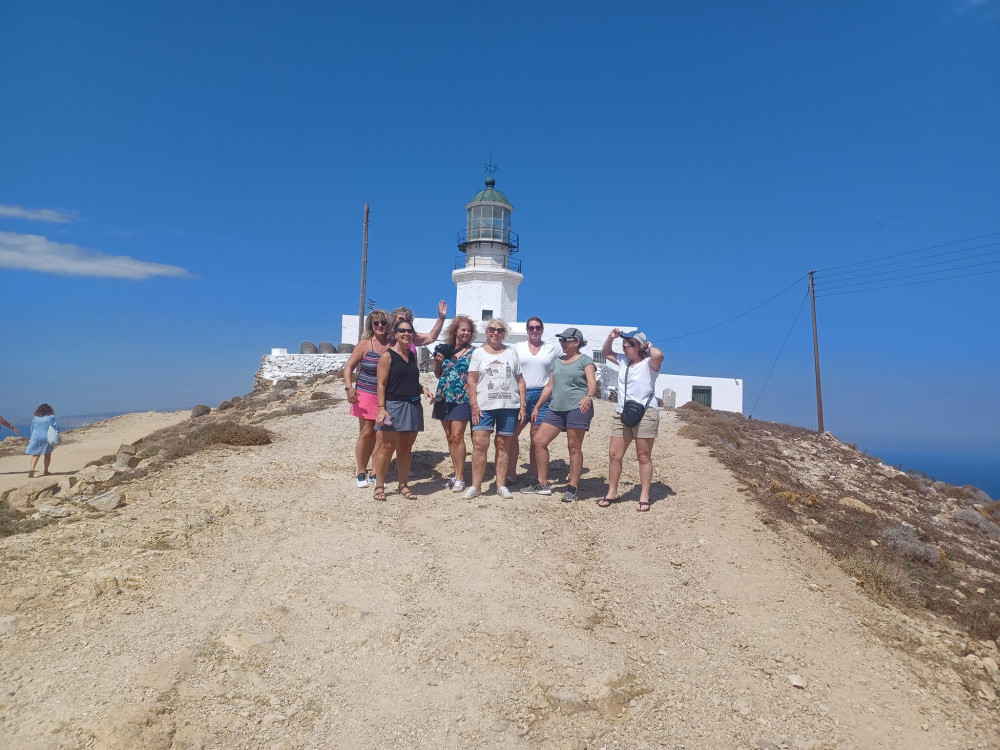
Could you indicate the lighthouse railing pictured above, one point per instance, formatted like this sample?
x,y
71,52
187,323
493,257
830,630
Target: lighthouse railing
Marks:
x,y
489,234
487,261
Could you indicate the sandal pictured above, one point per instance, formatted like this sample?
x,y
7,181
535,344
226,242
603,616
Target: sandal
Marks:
x,y
406,492
643,506
380,492
605,502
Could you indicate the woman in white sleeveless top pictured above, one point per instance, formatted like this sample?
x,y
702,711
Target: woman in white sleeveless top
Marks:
x,y
638,367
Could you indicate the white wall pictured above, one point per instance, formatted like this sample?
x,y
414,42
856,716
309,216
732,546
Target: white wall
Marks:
x,y
480,288
727,393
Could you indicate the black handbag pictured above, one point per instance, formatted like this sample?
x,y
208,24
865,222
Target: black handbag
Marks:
x,y
633,411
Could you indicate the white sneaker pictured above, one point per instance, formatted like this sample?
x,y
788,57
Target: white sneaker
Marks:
x,y
372,481
470,493
449,484
505,493
458,485
362,480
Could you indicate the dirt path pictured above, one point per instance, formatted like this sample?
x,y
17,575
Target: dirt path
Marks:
x,y
87,444
254,598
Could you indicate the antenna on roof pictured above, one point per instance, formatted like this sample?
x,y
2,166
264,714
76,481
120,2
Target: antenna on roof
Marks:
x,y
489,167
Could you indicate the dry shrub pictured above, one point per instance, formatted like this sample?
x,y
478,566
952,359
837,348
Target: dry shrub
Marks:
x,y
12,445
200,410
233,433
13,521
883,579
320,396
224,405
974,518
904,539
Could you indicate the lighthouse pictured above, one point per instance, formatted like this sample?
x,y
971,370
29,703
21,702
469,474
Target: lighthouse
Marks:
x,y
486,274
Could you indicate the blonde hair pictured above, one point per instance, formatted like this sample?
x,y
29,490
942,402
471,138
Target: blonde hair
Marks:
x,y
375,315
499,323
451,335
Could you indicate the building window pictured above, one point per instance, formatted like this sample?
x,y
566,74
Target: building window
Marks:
x,y
487,315
702,394
598,357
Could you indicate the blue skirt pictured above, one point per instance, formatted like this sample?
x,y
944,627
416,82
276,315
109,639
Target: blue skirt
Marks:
x,y
38,447
406,416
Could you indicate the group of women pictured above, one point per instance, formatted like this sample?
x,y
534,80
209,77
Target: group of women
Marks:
x,y
498,390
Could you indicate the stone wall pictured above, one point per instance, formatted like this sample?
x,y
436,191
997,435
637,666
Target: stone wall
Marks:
x,y
275,367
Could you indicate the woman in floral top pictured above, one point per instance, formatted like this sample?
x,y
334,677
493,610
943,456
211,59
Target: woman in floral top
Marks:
x,y
451,403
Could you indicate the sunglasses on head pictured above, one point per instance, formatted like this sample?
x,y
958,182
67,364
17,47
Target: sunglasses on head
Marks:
x,y
492,329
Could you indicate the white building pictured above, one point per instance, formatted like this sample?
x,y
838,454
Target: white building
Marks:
x,y
486,281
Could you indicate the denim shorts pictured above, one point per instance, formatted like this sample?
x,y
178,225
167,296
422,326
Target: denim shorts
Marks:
x,y
504,420
532,399
447,411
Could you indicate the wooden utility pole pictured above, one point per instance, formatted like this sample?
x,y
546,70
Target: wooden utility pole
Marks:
x,y
819,388
364,270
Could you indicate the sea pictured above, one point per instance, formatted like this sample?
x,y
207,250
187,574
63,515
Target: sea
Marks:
x,y
978,468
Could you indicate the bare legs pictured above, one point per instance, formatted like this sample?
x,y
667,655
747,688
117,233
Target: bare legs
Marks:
x,y
574,442
402,444
644,454
480,447
34,463
367,439
515,448
541,436
454,432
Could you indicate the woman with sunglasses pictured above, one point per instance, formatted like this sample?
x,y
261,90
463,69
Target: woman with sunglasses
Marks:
x,y
496,397
400,413
405,315
536,358
571,386
362,396
451,402
638,366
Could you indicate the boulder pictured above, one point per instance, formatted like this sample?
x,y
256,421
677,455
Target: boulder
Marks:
x,y
106,501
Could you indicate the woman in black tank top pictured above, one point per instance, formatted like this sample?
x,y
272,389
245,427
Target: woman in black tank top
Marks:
x,y
400,413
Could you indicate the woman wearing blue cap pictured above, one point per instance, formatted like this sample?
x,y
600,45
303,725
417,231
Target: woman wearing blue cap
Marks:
x,y
637,417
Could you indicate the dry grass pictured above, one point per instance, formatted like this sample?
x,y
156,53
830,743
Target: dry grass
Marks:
x,y
909,555
13,521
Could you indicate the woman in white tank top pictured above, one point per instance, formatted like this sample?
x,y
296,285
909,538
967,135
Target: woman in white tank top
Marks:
x,y
638,366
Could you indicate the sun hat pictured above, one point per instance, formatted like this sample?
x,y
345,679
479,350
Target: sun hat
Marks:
x,y
572,333
636,336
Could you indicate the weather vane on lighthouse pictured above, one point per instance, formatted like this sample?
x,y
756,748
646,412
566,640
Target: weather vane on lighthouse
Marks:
x,y
489,168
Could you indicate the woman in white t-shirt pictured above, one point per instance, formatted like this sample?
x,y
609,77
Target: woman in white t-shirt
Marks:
x,y
638,366
537,358
496,397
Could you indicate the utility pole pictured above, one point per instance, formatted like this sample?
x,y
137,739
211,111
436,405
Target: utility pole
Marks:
x,y
364,270
819,388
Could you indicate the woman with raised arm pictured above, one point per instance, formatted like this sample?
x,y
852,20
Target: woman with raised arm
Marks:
x,y
496,397
571,386
400,413
363,396
405,315
451,402
638,366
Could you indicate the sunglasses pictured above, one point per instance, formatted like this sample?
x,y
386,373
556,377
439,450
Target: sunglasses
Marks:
x,y
534,328
379,324
407,331
566,340
491,329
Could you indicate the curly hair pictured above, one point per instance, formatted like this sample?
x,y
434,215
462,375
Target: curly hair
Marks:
x,y
380,316
44,410
451,334
405,312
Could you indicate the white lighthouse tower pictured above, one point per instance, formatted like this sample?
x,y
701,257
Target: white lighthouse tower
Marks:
x,y
487,276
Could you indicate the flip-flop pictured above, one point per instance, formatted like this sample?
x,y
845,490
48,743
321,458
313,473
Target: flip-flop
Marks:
x,y
643,506
605,502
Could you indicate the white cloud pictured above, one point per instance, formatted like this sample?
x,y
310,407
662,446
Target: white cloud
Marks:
x,y
37,214
32,252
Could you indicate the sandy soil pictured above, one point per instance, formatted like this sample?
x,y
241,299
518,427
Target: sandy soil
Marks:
x,y
254,598
89,443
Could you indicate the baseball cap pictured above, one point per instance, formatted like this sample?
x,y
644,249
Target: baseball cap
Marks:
x,y
572,333
637,336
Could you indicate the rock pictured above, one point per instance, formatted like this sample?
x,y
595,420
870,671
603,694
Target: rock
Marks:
x,y
987,692
765,745
106,501
54,511
96,473
27,496
853,502
67,483
127,461
128,450
608,701
242,642
798,681
568,702
9,624
990,665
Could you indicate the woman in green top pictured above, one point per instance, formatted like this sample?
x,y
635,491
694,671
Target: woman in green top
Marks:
x,y
572,386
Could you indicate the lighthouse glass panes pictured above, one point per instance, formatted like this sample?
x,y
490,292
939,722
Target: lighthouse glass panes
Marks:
x,y
489,223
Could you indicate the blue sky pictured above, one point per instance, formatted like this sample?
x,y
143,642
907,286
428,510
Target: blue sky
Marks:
x,y
182,189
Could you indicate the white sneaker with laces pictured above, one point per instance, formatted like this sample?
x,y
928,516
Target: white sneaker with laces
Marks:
x,y
458,486
505,493
362,480
372,481
536,489
470,493
449,483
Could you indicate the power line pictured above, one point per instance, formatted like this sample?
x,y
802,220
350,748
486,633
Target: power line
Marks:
x,y
913,275
735,317
858,273
911,283
909,252
780,350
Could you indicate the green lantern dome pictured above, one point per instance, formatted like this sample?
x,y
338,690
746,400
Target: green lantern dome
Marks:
x,y
490,193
